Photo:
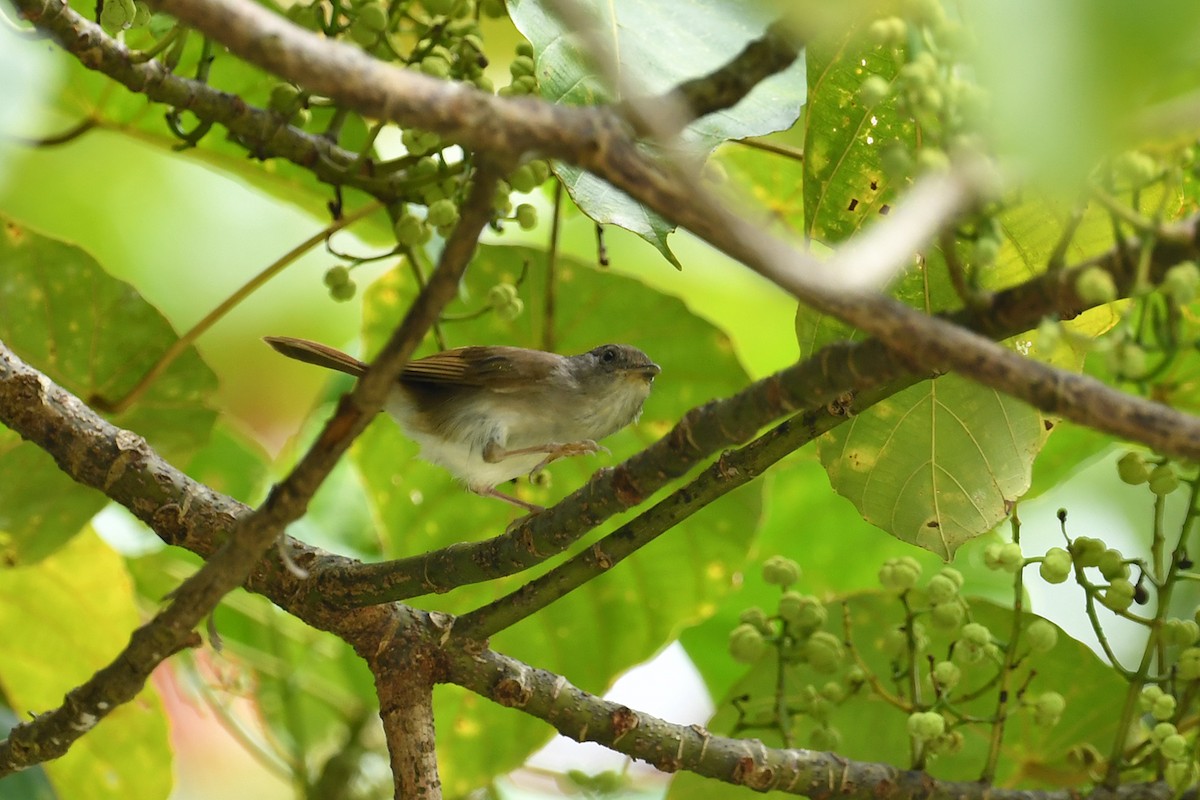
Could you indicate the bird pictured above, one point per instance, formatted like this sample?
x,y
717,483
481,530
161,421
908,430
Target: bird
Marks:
x,y
488,414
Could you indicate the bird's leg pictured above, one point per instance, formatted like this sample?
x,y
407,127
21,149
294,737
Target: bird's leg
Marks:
x,y
553,450
491,491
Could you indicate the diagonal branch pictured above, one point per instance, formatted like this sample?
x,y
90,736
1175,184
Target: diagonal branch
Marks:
x,y
836,370
595,140
584,717
34,408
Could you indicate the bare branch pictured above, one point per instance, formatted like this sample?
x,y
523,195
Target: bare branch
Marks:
x,y
585,717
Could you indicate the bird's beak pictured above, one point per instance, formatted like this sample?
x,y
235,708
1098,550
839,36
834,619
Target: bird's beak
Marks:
x,y
648,371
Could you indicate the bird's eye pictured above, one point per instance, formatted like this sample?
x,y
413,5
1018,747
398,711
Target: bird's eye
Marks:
x,y
608,355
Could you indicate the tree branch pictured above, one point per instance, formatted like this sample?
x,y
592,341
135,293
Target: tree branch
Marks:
x,y
595,140
585,717
837,370
35,408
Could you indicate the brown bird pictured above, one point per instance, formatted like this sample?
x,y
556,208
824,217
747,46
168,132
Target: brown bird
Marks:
x,y
490,414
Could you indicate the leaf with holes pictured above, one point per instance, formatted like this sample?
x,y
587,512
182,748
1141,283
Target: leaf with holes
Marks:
x,y
844,183
651,45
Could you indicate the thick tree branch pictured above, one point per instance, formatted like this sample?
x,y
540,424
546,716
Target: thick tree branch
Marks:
x,y
389,636
837,370
263,133
595,140
584,717
37,410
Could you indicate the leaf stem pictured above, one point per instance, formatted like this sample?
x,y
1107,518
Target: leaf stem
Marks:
x,y
213,317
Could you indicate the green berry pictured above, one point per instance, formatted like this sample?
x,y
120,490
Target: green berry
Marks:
x,y
1181,632
975,634
746,644
1163,480
373,16
1056,566
511,311
1149,694
526,216
1162,730
118,15
756,617
1132,469
780,571
1127,359
1010,557
834,692
825,739
410,231
1135,169
900,574
492,8
523,179
1182,282
889,31
1119,595
337,276
363,33
926,725
1048,708
442,212
954,575
940,589
874,91
438,8
946,674
1095,286
824,652
947,616
1188,666
343,291
520,66
1174,747
1041,636
1112,565
1163,708
435,67
1087,551
142,15
801,611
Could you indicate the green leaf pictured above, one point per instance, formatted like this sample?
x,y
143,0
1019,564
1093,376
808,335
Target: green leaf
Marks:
x,y
872,730
938,463
62,619
634,31
845,186
95,336
646,598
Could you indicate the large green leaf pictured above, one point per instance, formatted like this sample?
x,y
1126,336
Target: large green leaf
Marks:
x,y
938,463
96,336
676,580
637,33
873,730
62,619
